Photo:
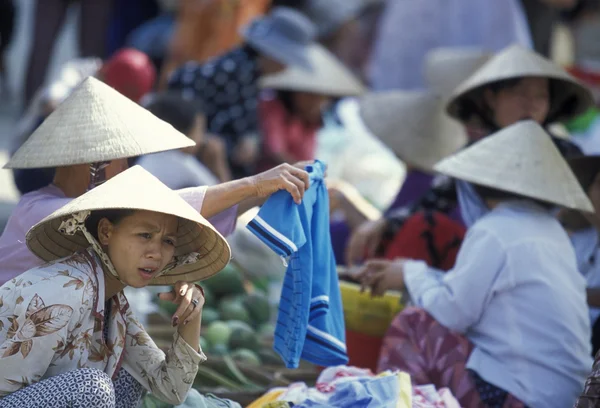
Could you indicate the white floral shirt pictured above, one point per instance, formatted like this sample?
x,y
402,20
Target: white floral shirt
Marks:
x,y
52,321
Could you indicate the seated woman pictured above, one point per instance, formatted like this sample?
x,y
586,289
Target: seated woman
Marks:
x,y
508,326
515,84
68,337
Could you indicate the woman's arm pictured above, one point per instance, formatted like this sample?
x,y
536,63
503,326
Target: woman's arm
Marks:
x,y
169,377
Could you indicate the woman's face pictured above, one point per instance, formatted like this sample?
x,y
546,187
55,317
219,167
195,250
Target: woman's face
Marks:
x,y
140,245
309,107
528,99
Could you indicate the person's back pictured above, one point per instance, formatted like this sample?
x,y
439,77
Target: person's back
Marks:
x,y
536,323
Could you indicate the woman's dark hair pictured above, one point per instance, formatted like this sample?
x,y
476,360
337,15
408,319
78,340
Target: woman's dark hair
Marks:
x,y
567,149
175,110
114,216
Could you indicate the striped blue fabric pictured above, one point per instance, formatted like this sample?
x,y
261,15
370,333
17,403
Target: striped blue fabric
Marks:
x,y
310,323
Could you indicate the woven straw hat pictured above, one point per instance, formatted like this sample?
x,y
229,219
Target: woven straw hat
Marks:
x,y
329,15
519,159
447,67
412,124
328,76
284,35
96,124
136,189
569,96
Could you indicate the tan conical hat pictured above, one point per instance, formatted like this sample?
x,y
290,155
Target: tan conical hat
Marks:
x,y
447,67
520,159
95,124
328,76
569,96
412,124
200,250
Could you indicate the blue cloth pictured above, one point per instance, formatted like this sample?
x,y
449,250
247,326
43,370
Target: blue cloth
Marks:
x,y
380,392
472,207
515,292
310,323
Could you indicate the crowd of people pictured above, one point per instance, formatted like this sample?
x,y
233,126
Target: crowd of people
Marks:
x,y
462,170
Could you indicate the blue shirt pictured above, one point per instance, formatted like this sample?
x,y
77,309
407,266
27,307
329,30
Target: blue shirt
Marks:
x,y
516,294
310,323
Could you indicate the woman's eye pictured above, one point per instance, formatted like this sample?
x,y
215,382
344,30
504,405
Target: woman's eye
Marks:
x,y
170,242
145,235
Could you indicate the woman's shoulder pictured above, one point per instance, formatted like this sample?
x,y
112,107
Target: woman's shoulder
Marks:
x,y
62,279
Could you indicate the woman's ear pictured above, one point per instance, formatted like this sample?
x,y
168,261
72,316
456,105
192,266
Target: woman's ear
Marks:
x,y
105,229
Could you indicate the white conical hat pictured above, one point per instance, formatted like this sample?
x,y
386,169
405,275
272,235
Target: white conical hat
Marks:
x,y
448,67
412,124
328,76
95,124
520,159
569,96
201,251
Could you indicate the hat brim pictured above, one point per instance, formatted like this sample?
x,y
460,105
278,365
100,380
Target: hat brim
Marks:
x,y
286,52
49,244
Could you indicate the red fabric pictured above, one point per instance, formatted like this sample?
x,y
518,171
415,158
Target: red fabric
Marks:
x,y
363,350
432,237
417,344
285,134
130,72
590,78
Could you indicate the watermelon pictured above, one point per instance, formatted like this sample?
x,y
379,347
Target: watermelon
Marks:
x,y
219,350
236,324
258,308
204,344
243,337
266,330
246,356
229,281
233,309
209,298
209,315
217,333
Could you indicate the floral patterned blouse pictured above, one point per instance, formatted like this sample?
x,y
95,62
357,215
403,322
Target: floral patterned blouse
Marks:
x,y
52,321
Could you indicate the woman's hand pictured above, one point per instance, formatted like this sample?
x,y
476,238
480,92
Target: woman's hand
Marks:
x,y
291,178
190,299
364,241
381,275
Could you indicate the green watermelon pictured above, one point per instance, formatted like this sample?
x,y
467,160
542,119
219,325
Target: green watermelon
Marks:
x,y
204,344
233,309
209,298
258,307
246,356
269,357
266,330
219,350
243,337
229,281
237,324
217,333
209,315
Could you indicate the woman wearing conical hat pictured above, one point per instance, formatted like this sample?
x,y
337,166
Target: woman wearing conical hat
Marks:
x,y
515,84
88,139
292,104
68,337
488,328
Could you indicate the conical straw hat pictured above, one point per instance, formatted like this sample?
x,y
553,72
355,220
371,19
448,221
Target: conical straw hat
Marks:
x,y
95,124
519,159
569,96
448,67
328,76
136,189
412,124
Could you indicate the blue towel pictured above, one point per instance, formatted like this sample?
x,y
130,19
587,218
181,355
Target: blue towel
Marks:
x,y
310,323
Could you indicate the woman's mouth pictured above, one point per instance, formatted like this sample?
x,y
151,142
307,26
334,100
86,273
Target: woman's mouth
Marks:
x,y
147,273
